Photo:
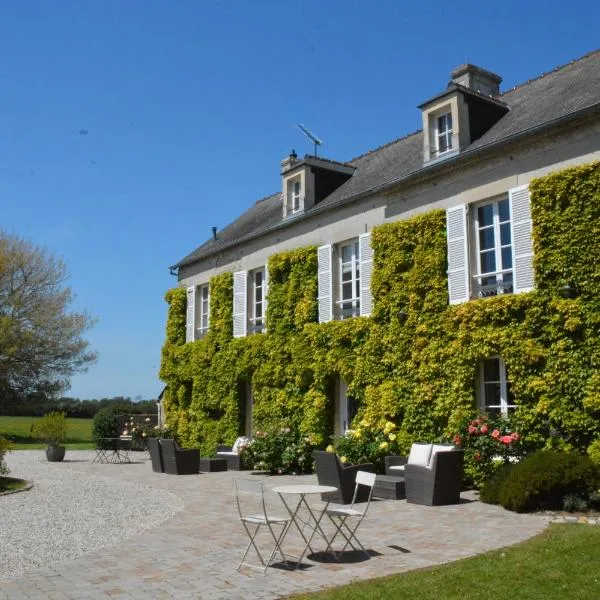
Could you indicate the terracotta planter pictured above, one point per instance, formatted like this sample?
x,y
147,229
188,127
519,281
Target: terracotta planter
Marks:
x,y
55,453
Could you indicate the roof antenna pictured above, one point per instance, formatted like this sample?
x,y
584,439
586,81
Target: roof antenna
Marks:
x,y
316,141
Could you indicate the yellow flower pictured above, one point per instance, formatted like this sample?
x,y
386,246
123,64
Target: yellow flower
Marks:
x,y
383,445
392,437
330,448
357,434
389,426
343,459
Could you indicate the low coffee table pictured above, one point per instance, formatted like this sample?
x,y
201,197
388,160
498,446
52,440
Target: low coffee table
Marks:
x,y
390,487
210,465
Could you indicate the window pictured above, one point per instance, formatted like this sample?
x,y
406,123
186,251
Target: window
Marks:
x,y
494,268
348,303
256,301
495,387
203,316
443,133
346,408
293,196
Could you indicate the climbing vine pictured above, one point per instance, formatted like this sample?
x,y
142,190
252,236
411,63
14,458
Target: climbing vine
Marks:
x,y
415,361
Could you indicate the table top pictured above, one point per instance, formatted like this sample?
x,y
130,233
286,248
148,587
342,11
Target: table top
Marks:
x,y
304,489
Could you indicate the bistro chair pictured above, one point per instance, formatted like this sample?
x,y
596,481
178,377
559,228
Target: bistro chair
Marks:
x,y
250,499
347,519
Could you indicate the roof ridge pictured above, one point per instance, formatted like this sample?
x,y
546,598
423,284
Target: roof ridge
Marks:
x,y
545,74
267,197
400,139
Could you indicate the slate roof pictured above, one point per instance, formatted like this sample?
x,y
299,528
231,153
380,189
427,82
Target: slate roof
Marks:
x,y
537,104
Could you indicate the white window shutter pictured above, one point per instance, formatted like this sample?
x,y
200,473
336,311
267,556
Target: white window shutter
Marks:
x,y
240,303
325,282
458,254
366,266
190,315
265,296
522,244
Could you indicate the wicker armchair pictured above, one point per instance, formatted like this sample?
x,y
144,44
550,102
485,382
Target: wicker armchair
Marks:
x,y
330,471
179,461
233,454
156,455
439,483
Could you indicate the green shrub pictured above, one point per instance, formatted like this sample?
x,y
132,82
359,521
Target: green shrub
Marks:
x,y
490,490
5,446
106,423
368,443
281,451
594,452
51,428
544,478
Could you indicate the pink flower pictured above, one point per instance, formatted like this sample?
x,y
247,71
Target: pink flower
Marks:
x,y
506,439
484,429
495,434
472,430
475,423
457,440
515,436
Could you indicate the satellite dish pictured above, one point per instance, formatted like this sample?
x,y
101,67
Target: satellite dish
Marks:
x,y
316,141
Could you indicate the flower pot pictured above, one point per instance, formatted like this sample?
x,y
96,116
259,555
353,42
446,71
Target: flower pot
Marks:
x,y
55,453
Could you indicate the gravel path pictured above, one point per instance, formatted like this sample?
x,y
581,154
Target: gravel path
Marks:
x,y
68,513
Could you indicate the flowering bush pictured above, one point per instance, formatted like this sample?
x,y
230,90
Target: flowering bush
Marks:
x,y
368,444
489,442
140,429
280,451
4,448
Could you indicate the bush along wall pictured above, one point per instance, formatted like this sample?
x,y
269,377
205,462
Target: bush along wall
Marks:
x,y
415,361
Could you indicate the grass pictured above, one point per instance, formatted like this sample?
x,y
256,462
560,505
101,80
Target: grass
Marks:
x,y
18,430
559,564
10,484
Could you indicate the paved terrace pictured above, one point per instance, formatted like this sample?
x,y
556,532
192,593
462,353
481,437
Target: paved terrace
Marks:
x,y
190,548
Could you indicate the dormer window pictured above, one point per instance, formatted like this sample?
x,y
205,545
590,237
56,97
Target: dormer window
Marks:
x,y
443,133
294,196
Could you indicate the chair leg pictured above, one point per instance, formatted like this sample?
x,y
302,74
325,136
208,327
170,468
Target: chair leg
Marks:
x,y
250,544
348,533
277,548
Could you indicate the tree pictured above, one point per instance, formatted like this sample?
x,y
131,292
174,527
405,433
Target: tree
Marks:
x,y
41,343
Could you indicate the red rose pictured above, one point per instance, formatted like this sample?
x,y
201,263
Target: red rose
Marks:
x,y
484,429
506,439
515,436
472,429
495,434
457,440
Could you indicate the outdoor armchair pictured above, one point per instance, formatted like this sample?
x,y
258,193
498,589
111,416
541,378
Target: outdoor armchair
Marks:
x,y
438,483
179,461
331,471
233,454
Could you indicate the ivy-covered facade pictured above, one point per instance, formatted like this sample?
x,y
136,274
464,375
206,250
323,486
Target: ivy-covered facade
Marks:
x,y
393,333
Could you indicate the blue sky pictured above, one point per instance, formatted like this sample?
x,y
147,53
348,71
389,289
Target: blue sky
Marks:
x,y
129,128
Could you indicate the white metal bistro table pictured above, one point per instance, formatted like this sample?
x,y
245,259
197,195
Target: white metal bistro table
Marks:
x,y
313,521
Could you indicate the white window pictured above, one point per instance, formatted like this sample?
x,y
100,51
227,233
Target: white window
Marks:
x,y
490,248
257,303
493,249
348,303
294,194
203,307
495,395
443,133
346,408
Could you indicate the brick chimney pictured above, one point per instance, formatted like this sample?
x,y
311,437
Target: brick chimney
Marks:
x,y
477,79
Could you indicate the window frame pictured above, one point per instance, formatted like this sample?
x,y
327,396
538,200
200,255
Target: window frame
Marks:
x,y
355,280
294,195
256,324
500,286
447,134
504,381
202,314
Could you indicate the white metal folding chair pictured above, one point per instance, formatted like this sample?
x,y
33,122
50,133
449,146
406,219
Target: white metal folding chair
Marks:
x,y
346,519
250,494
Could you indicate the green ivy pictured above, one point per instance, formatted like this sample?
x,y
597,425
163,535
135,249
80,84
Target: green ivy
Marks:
x,y
415,360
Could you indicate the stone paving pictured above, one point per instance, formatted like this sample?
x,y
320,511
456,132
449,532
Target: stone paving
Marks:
x,y
193,555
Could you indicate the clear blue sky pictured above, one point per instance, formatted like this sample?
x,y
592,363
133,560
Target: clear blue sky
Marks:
x,y
189,106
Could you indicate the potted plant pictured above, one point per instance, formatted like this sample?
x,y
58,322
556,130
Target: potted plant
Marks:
x,y
52,429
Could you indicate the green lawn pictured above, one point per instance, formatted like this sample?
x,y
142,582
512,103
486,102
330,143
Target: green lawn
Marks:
x,y
18,429
563,563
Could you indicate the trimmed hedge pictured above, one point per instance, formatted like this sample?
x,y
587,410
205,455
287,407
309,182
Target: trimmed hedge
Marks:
x,y
545,478
415,360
